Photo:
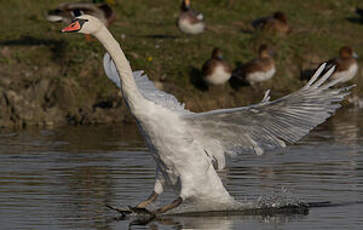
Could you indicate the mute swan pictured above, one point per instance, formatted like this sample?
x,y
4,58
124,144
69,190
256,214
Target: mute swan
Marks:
x,y
190,21
190,147
346,64
258,70
216,71
276,23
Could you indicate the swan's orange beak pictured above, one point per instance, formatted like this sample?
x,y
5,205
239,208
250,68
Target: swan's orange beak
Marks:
x,y
74,27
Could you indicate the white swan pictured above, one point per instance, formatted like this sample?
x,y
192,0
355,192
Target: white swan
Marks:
x,y
189,147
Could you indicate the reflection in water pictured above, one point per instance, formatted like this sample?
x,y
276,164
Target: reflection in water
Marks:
x,y
220,222
90,189
347,128
62,179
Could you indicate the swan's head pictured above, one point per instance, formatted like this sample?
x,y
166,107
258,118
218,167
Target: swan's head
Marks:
x,y
85,24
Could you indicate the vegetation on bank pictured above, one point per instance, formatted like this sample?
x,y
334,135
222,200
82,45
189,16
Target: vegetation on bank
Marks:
x,y
49,78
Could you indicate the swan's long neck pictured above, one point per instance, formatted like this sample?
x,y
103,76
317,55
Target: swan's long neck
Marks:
x,y
129,88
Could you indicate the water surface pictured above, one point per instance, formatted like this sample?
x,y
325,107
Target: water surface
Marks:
x,y
62,179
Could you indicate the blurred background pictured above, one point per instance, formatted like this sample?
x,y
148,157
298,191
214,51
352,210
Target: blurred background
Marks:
x,y
61,178
49,79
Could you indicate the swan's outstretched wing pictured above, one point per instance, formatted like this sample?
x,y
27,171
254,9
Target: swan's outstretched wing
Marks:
x,y
272,124
145,86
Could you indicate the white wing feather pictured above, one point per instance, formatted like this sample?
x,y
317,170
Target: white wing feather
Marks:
x,y
145,86
260,127
271,124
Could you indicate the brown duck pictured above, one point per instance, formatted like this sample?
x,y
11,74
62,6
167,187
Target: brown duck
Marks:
x,y
258,70
277,23
346,66
215,70
190,21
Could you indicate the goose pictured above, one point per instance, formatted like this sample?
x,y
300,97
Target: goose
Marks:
x,y
65,12
346,64
215,70
189,148
258,70
189,20
276,23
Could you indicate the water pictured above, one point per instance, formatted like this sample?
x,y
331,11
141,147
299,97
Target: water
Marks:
x,y
62,179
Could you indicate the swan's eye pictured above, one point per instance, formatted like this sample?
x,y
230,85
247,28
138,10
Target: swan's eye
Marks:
x,y
82,21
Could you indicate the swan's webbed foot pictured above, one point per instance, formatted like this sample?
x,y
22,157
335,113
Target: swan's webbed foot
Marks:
x,y
145,212
168,207
141,211
148,201
143,216
149,215
123,212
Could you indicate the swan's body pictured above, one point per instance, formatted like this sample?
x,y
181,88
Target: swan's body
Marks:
x,y
190,147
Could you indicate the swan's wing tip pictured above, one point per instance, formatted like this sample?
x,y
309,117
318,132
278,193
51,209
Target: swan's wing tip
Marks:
x,y
266,97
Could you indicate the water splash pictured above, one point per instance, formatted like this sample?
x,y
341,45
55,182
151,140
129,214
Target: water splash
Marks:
x,y
282,198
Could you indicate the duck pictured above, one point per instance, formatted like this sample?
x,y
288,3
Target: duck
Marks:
x,y
277,23
346,65
189,20
65,12
215,70
189,148
258,70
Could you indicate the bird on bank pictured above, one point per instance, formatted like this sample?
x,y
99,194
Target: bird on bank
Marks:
x,y
66,12
277,23
216,71
258,70
346,65
189,148
189,20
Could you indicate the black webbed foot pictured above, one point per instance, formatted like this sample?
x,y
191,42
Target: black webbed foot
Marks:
x,y
140,216
123,212
143,216
141,211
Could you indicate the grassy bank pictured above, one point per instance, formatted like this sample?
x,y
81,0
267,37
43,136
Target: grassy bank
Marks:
x,y
51,78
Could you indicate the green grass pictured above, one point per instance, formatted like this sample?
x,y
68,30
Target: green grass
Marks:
x,y
30,45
